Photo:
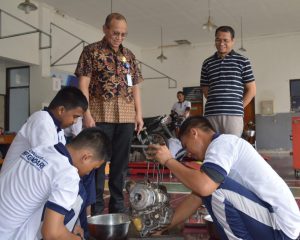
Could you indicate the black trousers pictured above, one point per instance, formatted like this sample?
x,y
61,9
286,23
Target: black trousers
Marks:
x,y
120,135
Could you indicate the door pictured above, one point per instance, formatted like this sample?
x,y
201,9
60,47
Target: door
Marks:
x,y
17,97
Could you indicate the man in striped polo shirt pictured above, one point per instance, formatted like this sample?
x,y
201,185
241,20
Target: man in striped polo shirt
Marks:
x,y
227,83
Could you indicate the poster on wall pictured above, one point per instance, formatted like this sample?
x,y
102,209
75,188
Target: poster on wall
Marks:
x,y
193,94
62,79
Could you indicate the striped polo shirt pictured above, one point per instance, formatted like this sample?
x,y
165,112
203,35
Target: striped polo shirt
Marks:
x,y
225,78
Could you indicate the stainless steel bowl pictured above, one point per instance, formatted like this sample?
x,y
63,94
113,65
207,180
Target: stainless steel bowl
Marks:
x,y
109,226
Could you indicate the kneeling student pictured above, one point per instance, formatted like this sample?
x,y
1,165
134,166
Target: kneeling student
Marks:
x,y
45,127
245,197
42,195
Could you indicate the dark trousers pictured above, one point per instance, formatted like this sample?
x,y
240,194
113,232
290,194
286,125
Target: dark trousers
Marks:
x,y
120,135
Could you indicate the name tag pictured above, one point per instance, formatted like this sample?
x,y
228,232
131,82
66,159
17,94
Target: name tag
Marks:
x,y
129,80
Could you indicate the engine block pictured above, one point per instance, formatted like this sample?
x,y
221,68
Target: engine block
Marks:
x,y
149,206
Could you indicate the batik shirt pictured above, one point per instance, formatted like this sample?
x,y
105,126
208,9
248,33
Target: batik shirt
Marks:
x,y
110,92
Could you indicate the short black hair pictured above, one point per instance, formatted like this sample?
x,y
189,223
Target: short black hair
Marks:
x,y
110,17
195,122
70,98
180,92
95,139
225,29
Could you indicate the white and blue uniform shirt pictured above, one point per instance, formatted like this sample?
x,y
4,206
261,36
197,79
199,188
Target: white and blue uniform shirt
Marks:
x,y
41,128
41,177
180,108
234,158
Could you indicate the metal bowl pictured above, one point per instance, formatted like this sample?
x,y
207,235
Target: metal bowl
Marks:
x,y
109,226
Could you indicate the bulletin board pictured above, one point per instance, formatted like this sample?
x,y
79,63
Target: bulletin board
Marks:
x,y
195,96
66,79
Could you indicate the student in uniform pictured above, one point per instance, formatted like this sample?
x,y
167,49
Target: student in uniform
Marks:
x,y
245,197
73,130
45,127
182,107
42,194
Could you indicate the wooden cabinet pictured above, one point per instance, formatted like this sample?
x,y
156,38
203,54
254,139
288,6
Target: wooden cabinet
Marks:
x,y
249,122
196,109
7,138
249,113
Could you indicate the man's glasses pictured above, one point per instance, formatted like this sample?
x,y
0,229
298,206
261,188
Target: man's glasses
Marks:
x,y
222,41
118,34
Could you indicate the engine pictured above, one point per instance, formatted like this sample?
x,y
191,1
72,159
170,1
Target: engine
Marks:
x,y
149,206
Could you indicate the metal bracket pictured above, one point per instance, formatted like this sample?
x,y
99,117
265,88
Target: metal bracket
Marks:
x,y
55,63
36,30
172,83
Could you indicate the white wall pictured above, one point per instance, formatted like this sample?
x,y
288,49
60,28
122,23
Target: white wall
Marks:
x,y
275,60
183,64
26,48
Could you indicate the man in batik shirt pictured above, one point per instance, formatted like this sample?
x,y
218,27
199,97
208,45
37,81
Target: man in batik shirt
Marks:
x,y
109,77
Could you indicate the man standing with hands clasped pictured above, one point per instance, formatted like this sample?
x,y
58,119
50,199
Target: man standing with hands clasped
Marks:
x,y
227,83
109,77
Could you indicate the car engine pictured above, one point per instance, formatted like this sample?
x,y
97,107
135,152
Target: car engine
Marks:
x,y
149,206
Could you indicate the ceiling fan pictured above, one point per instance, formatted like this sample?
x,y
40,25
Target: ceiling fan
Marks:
x,y
209,25
161,57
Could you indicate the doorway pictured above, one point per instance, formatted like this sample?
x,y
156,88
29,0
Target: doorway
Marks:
x,y
17,97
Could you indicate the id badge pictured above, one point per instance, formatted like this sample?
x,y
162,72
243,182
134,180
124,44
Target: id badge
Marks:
x,y
129,80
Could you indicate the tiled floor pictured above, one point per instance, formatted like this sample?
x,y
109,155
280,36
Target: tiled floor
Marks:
x,y
282,163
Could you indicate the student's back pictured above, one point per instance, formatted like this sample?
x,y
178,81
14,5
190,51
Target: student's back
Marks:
x,y
39,129
34,176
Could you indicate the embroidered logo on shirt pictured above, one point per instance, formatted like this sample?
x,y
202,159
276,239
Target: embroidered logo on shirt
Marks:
x,y
33,159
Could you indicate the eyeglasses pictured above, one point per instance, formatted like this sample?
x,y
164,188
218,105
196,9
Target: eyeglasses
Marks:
x,y
222,40
118,34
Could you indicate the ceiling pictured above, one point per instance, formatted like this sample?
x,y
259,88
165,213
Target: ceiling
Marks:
x,y
183,19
